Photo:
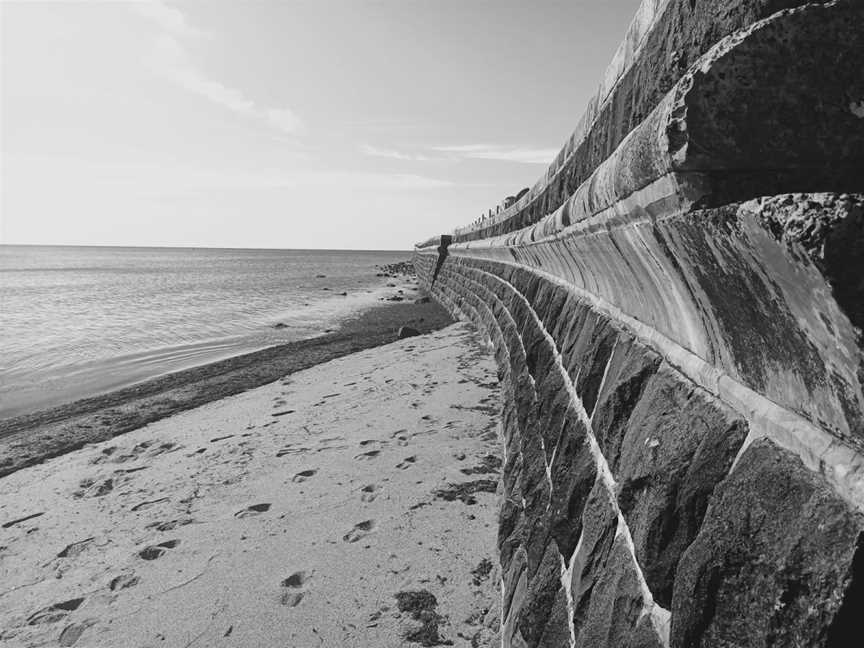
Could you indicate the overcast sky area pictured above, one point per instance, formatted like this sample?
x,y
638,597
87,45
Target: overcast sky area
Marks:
x,y
320,124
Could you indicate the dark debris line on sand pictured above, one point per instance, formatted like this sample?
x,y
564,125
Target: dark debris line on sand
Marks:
x,y
69,427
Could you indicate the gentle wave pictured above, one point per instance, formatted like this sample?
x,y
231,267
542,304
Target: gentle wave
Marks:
x,y
78,321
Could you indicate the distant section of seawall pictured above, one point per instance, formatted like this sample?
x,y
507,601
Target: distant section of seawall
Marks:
x,y
676,308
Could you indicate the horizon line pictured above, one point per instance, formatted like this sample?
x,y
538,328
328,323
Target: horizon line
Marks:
x,y
203,247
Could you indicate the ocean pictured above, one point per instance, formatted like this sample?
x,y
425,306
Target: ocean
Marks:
x,y
80,321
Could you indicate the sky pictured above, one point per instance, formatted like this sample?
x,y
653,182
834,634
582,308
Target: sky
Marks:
x,y
342,124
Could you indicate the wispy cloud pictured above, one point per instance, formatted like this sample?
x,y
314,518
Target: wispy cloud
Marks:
x,y
152,178
376,151
171,59
496,152
169,19
500,152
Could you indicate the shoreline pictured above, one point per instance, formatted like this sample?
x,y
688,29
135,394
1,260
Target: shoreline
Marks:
x,y
70,352
353,503
31,438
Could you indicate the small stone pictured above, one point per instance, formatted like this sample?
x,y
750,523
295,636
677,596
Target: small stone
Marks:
x,y
407,331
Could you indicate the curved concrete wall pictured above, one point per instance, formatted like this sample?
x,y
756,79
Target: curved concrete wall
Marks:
x,y
676,312
661,45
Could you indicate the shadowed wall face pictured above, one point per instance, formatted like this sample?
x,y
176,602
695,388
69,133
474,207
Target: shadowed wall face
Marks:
x,y
677,324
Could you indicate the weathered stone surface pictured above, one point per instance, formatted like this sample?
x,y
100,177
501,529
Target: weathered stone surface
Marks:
x,y
599,525
679,34
513,574
573,474
772,562
542,591
829,230
663,497
556,633
653,301
630,368
678,445
645,635
616,602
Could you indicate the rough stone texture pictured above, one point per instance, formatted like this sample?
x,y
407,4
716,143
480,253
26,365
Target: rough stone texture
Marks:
x,y
718,283
676,314
666,442
616,601
775,540
830,231
573,473
678,445
683,31
600,523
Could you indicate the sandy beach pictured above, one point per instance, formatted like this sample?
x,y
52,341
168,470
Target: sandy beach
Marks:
x,y
349,504
30,438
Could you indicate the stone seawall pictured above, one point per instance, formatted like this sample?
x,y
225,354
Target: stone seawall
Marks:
x,y
676,313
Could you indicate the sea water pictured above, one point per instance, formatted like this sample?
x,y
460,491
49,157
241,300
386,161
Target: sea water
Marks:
x,y
79,321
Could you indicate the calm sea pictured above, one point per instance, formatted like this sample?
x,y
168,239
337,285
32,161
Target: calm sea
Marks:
x,y
78,321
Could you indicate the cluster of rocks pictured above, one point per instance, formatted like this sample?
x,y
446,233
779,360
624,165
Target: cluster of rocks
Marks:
x,y
400,268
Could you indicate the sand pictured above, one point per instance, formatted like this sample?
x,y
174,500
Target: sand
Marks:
x,y
28,439
319,510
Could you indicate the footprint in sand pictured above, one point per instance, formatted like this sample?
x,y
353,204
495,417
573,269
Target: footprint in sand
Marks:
x,y
74,549
122,473
123,581
170,525
111,455
400,437
407,462
303,475
92,488
153,552
360,530
369,493
73,632
255,509
104,455
54,613
162,448
371,454
289,451
148,503
292,589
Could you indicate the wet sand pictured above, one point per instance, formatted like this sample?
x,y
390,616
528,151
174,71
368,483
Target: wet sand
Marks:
x,y
29,439
349,504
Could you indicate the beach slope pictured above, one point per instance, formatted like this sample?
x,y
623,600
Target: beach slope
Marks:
x,y
349,504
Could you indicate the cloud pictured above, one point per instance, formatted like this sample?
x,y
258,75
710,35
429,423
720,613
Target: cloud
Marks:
x,y
501,153
468,151
170,59
169,19
151,178
285,120
375,151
